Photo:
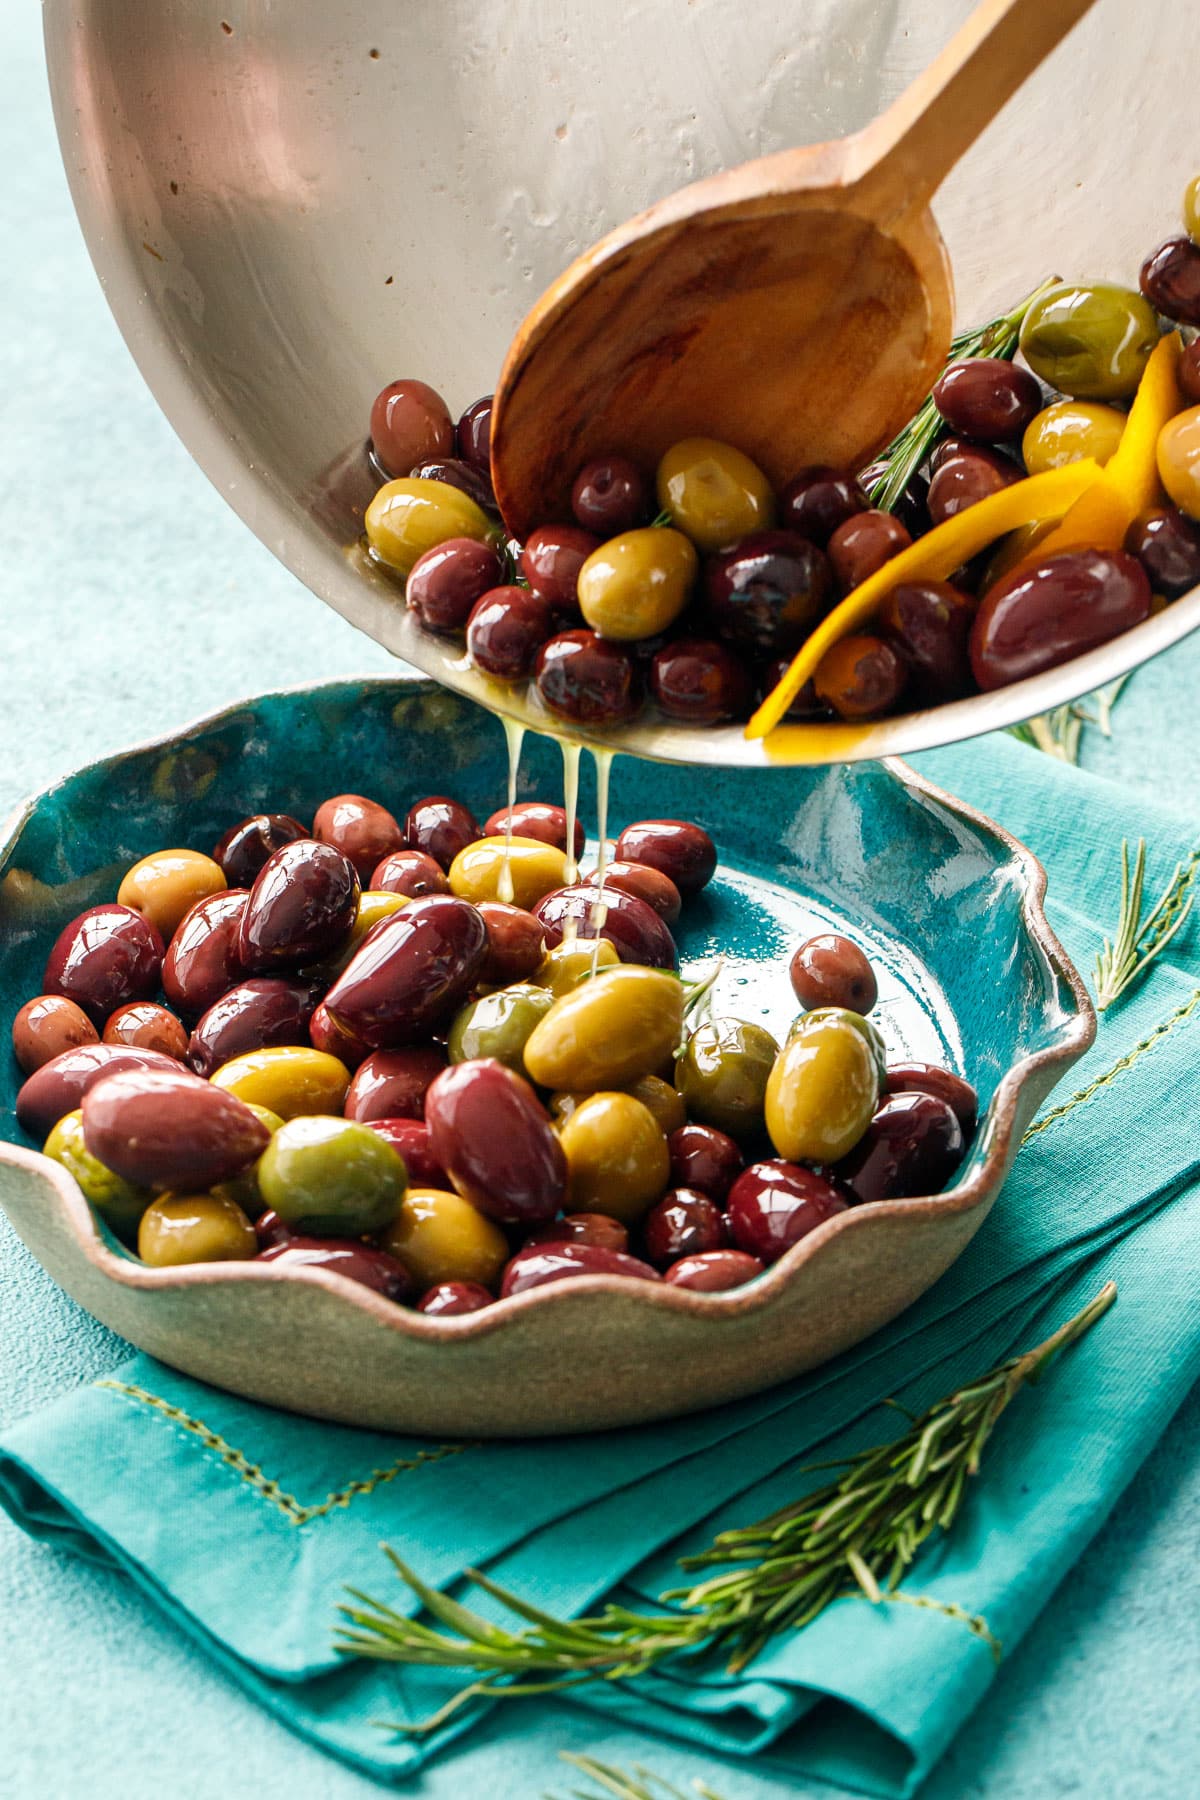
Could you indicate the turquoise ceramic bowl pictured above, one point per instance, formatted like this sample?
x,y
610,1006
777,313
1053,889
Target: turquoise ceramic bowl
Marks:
x,y
945,902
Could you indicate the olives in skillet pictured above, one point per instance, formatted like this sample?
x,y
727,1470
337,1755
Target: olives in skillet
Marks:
x,y
1047,613
446,582
587,680
987,398
610,495
768,592
1091,342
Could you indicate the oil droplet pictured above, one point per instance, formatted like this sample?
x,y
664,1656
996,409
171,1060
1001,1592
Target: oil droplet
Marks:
x,y
570,758
603,760
514,736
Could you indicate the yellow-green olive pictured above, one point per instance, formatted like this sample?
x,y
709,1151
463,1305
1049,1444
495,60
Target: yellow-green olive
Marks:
x,y
723,1072
609,1031
637,584
119,1203
243,1189
1191,209
661,1100
846,1016
332,1177
499,1025
412,515
519,872
1068,431
714,494
617,1158
194,1228
573,962
1090,341
439,1236
823,1090
1179,460
165,886
287,1079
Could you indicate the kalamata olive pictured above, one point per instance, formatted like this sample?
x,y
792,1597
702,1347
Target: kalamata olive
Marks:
x,y
361,829
765,594
458,474
539,1264
635,586
807,705
165,886
371,908
912,1146
371,1268
909,506
582,1228
473,434
643,881
967,477
1178,456
516,870
516,943
409,872
440,1236
444,584
704,1159
440,827
987,398
1168,547
684,1222
819,499
831,970
608,1031
713,493
681,850
700,681
1090,342
861,677
391,1084
203,957
246,846
410,516
774,1204
713,1271
535,819
58,1086
410,1138
634,929
302,905
145,1026
943,1084
863,543
723,1075
1187,372
506,629
617,1160
411,973
270,1230
610,495
327,1036
929,622
451,1299
1170,280
1047,613
551,560
822,1091
103,959
255,1015
45,1027
410,421
487,1127
194,1228
586,679
166,1128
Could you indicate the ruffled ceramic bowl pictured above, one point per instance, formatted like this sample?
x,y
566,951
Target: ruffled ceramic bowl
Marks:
x,y
947,904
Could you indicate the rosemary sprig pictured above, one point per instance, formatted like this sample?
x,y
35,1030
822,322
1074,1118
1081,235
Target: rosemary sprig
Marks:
x,y
637,1783
909,449
1129,953
857,1534
1059,731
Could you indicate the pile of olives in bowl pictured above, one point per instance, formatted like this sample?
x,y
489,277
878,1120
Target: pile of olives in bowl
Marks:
x,y
436,1058
689,588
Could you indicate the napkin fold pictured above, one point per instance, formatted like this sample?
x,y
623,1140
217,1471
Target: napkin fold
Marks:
x,y
247,1525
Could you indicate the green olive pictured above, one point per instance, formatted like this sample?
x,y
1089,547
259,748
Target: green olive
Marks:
x,y
571,963
519,871
243,1189
662,1101
845,1016
714,494
637,584
118,1202
439,1236
1191,209
723,1073
617,1158
1091,342
1179,460
499,1025
412,515
609,1031
823,1089
194,1228
332,1177
1067,432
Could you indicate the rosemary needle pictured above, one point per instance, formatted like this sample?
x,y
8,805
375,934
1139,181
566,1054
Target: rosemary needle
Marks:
x,y
1128,954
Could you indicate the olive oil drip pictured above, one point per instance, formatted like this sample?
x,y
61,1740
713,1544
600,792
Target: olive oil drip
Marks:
x,y
603,760
570,759
514,736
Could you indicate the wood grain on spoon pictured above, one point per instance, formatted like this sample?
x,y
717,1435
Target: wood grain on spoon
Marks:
x,y
799,307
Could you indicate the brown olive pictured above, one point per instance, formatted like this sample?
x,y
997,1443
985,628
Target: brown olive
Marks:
x,y
776,1203
451,1299
703,1157
535,819
912,1146
487,1127
473,434
987,398
967,477
610,495
58,1086
861,677
246,846
582,1228
361,829
678,849
943,1084
409,872
146,1026
445,582
713,1271
103,959
830,970
819,499
203,959
47,1025
170,1130
683,1223
647,883
929,622
409,422
391,1084
550,562
516,943
863,543
1187,373
539,1264
1045,614
1170,280
1168,547
440,827
301,906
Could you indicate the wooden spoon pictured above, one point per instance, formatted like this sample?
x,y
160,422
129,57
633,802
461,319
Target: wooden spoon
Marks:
x,y
799,306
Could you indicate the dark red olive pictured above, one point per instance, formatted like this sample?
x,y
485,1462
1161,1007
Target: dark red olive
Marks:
x,y
634,929
202,959
1187,373
271,1230
987,398
326,1034
680,849
440,827
944,449
970,475
1170,280
774,1204
458,474
363,1263
912,1146
909,507
444,583
644,882
704,1159
587,679
506,629
807,705
58,1087
409,872
409,421
410,972
817,500
863,543
684,1222
168,1129
103,959
1047,613
255,1015
451,1299
361,829
943,1084
45,1027
144,1026
766,594
410,1138
542,1263
861,676
536,819
391,1084
1168,547
929,622
473,435
610,496
830,970
551,561
302,904
582,1228
488,1128
713,1271
516,943
246,846
700,681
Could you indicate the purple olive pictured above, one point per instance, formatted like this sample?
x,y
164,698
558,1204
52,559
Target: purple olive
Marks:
x,y
582,1228
326,1034
410,972
679,849
451,1299
943,1084
488,1128
987,399
103,959
587,679
863,543
361,829
929,622
684,1222
699,681
807,705
1187,373
705,1159
541,1263
506,629
458,474
391,1084
202,959
967,477
409,421
713,1271
473,435
1170,280
1045,614
912,1146
516,943
634,929
766,594
861,676
363,1263
255,1015
1168,547
441,827
644,883
831,970
817,500
551,561
444,583
58,1087
245,847
410,1139
409,872
271,1230
302,905
774,1204
169,1129
610,496
536,819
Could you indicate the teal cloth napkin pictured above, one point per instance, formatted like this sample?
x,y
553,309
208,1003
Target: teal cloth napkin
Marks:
x,y
246,1525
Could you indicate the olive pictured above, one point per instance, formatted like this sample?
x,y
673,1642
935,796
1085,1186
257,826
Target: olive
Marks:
x,y
410,1139
517,870
1170,280
551,560
270,1231
661,1101
535,819
499,1025
607,1032
145,1026
409,420
460,475
391,1084
362,1263
1178,462
647,883
767,592
1187,372
445,582
830,970
103,959
582,1228
516,944
774,1204
617,1159
714,494
680,850
912,1146
943,1084
451,1299
46,1026
637,584
194,1228
411,873
119,1203
302,904
408,517
440,827
439,1236
539,1264
329,1037
584,678
254,1015
723,1075
487,1127
361,829
633,928
506,629
713,1271
843,1015
699,681
473,434
412,972
203,959
987,399
164,887
705,1160
966,478
683,1223
373,906
610,495
328,1176
246,846
1091,342
929,622
1068,431
822,1091
863,543
807,705
1168,547
1043,615
819,499
168,1129
59,1085
292,1081
861,676
569,964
